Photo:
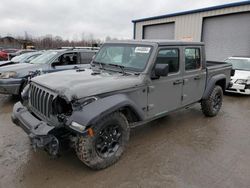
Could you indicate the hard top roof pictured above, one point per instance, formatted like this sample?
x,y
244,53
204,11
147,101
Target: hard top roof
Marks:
x,y
156,42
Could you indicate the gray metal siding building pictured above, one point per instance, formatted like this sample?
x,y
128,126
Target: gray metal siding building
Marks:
x,y
225,29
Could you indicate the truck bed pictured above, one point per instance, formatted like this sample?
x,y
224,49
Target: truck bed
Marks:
x,y
216,64
215,68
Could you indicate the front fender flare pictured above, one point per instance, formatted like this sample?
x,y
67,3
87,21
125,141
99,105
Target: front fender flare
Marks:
x,y
92,112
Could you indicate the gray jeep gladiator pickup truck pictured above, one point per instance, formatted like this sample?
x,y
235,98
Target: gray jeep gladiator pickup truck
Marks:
x,y
129,83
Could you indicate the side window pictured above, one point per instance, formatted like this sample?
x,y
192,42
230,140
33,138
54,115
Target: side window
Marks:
x,y
67,59
192,58
170,57
86,57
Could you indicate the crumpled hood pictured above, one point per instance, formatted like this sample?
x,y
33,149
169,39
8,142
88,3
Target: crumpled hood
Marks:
x,y
241,74
20,68
73,84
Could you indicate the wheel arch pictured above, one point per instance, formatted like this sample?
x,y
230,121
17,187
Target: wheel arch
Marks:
x,y
92,112
215,80
130,113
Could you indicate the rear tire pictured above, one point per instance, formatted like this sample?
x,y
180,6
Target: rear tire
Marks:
x,y
106,146
212,105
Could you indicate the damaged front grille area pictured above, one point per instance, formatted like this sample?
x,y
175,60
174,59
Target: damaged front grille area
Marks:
x,y
41,101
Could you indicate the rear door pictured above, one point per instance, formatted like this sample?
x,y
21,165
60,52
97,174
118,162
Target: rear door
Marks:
x,y
194,75
164,93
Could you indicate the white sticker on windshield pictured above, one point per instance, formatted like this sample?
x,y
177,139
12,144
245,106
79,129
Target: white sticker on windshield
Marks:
x,y
144,50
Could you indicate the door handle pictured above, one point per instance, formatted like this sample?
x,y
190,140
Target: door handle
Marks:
x,y
177,82
76,67
197,78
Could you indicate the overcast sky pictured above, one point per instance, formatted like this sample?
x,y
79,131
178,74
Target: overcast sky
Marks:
x,y
72,19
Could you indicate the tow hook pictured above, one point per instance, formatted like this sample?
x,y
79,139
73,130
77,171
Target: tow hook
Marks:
x,y
50,143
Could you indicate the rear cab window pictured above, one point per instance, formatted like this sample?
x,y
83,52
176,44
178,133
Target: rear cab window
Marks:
x,y
192,58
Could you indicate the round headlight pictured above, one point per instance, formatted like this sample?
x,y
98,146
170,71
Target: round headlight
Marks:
x,y
61,106
241,81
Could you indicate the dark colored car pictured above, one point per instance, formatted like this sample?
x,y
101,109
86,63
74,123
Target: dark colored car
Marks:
x,y
13,78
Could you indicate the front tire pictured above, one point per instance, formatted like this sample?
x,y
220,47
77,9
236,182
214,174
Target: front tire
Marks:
x,y
106,146
212,105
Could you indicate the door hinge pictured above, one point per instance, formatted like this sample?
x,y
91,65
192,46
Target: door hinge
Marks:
x,y
183,97
150,107
151,88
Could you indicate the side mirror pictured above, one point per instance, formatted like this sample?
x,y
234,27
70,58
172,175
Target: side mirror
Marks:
x,y
161,70
55,63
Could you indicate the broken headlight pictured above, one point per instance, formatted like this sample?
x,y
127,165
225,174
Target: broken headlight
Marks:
x,y
61,106
243,81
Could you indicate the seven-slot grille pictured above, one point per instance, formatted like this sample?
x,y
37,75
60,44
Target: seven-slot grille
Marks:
x,y
41,100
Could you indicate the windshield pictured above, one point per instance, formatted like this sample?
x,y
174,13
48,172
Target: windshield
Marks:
x,y
44,58
131,57
19,58
240,64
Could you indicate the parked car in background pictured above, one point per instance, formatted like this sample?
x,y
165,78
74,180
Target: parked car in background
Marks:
x,y
9,51
129,84
24,58
20,52
3,56
240,82
13,78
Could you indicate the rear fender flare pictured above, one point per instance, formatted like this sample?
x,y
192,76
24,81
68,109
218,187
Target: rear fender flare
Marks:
x,y
211,84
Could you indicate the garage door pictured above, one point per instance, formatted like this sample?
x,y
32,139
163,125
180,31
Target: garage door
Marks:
x,y
161,31
226,36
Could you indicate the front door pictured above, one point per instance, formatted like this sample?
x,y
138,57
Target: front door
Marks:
x,y
194,75
164,93
66,61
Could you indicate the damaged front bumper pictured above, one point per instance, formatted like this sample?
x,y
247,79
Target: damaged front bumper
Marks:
x,y
38,131
238,88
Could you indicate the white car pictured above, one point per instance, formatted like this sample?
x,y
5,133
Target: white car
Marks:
x,y
240,82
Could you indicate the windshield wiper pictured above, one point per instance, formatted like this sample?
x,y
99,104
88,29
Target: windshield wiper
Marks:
x,y
120,66
100,64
